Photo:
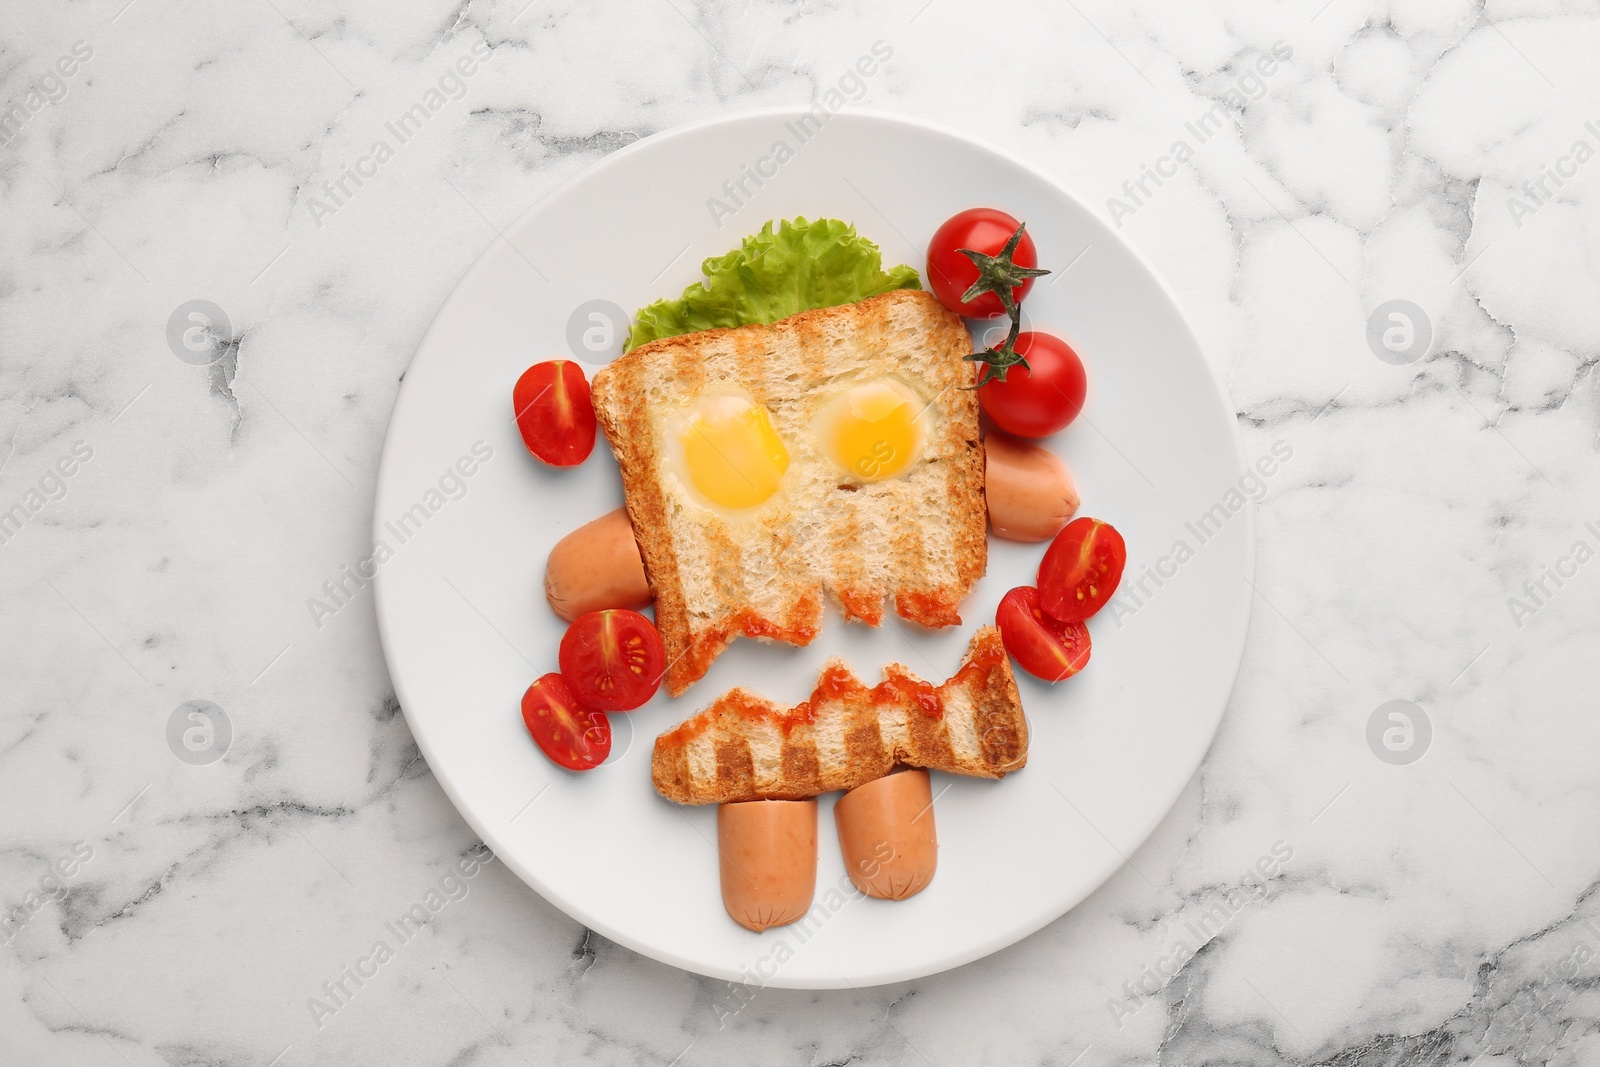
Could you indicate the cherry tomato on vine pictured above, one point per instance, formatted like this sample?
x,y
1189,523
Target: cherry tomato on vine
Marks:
x,y
1043,646
1041,398
574,736
951,274
554,413
613,659
1081,569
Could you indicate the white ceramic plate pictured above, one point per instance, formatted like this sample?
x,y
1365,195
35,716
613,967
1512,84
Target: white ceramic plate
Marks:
x,y
466,629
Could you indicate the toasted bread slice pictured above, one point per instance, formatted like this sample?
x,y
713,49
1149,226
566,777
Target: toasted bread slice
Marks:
x,y
764,572
744,747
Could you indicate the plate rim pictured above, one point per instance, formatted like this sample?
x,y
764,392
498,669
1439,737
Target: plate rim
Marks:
x,y
575,911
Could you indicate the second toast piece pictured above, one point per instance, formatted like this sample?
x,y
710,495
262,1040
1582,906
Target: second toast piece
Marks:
x,y
745,747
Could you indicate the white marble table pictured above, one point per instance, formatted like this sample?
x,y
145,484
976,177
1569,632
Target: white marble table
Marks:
x,y
163,523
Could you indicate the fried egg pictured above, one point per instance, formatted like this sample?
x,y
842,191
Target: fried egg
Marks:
x,y
726,452
872,431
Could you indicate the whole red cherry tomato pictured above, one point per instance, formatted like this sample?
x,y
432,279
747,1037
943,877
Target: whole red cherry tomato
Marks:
x,y
572,735
1041,398
1043,646
554,412
950,274
613,659
1081,569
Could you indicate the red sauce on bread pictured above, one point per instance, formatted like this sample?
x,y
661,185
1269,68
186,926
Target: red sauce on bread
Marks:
x,y
928,609
708,644
838,683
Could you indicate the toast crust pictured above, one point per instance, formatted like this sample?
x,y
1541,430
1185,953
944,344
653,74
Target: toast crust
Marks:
x,y
703,570
745,747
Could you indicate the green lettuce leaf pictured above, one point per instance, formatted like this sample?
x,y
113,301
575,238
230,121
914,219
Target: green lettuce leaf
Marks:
x,y
774,274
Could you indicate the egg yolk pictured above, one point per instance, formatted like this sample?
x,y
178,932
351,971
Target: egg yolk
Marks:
x,y
733,456
873,431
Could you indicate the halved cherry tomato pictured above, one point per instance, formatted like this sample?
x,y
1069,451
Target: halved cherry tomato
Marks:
x,y
1081,569
572,735
1043,646
613,659
554,412
951,274
1041,398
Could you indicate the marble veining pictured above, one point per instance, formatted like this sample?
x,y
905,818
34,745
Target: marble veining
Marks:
x,y
1318,895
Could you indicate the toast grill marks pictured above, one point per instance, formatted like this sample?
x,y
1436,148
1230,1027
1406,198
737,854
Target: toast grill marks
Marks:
x,y
744,747
918,539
